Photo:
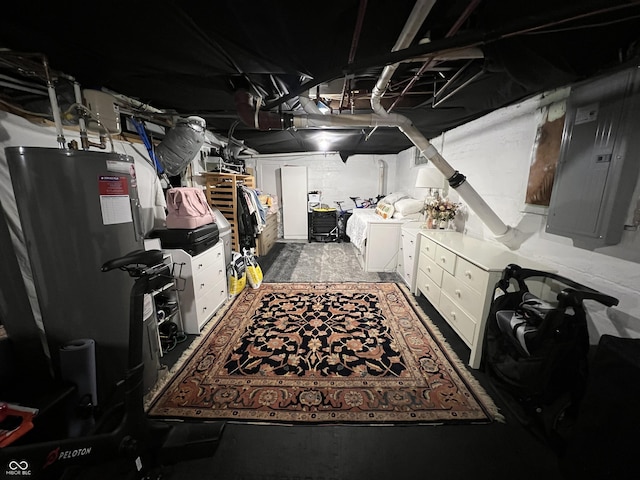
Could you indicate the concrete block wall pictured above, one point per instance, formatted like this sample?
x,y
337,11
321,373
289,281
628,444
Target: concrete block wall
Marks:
x,y
495,153
327,173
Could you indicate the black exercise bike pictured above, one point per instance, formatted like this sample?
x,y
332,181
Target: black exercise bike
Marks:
x,y
124,431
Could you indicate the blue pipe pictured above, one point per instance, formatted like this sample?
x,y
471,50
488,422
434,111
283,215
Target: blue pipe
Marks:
x,y
143,135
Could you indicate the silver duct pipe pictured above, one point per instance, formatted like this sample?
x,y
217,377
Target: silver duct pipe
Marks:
x,y
381,118
272,121
347,121
456,179
420,11
458,182
381,173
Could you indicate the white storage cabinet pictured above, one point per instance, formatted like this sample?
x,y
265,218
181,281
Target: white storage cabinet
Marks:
x,y
205,285
294,202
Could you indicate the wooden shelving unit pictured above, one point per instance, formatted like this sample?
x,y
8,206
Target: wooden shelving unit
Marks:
x,y
222,193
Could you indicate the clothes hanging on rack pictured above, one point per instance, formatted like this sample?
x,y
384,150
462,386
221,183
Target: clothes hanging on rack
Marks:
x,y
247,224
252,215
260,210
255,207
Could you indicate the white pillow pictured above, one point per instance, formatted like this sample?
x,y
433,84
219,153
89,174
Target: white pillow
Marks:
x,y
393,198
407,206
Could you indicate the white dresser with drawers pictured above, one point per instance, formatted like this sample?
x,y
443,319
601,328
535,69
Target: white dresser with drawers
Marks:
x,y
202,285
408,255
457,274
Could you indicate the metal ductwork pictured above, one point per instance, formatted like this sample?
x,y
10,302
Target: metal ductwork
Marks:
x,y
181,144
273,121
417,17
253,117
456,179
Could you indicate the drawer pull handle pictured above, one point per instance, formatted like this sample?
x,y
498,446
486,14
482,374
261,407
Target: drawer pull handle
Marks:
x,y
458,292
199,265
429,269
410,257
202,285
467,274
453,315
443,259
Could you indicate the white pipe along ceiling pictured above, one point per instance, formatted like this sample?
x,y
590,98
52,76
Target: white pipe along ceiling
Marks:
x,y
381,118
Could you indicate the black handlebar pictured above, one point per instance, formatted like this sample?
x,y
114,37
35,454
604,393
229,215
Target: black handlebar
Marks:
x,y
147,258
572,296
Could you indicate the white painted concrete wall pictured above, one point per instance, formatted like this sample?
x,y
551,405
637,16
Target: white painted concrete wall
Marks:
x,y
407,174
358,177
494,152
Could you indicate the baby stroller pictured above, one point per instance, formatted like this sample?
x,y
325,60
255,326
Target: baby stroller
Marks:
x,y
536,352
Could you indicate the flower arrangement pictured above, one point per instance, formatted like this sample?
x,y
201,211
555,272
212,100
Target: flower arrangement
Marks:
x,y
442,210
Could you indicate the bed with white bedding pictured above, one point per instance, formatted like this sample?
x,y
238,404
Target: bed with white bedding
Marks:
x,y
357,226
376,240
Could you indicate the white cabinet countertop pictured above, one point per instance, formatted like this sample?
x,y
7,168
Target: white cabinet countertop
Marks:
x,y
486,255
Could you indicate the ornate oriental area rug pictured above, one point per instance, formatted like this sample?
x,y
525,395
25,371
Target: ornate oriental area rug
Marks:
x,y
324,352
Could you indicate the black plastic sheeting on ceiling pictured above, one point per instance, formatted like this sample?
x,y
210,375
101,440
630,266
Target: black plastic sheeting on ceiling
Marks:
x,y
189,57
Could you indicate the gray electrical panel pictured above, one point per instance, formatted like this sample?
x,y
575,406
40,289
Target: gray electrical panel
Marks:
x,y
599,161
